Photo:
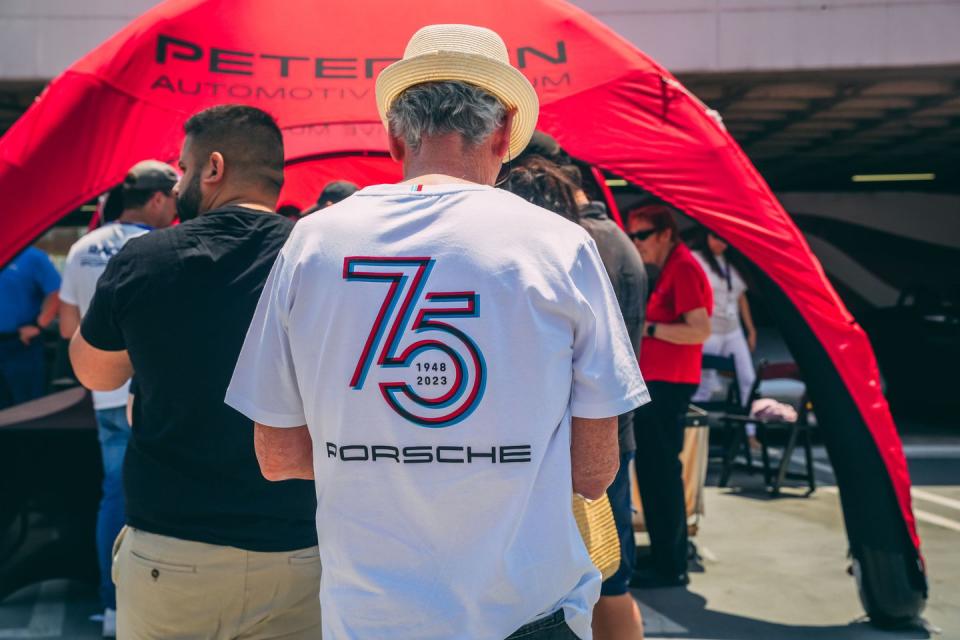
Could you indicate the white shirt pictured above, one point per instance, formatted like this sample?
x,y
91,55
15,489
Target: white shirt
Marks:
x,y
443,506
85,263
727,290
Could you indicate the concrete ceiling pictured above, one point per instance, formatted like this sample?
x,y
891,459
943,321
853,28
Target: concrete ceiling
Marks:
x,y
815,130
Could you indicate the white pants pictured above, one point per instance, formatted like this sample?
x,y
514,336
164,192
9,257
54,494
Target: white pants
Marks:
x,y
733,344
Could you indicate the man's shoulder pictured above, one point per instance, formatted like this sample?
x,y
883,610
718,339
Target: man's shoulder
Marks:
x,y
277,223
274,230
154,242
600,225
612,240
36,262
33,255
236,219
545,225
108,234
148,252
514,202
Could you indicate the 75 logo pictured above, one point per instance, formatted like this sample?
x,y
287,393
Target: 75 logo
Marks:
x,y
409,336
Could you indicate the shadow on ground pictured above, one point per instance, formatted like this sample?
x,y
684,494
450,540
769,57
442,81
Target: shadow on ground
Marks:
x,y
662,607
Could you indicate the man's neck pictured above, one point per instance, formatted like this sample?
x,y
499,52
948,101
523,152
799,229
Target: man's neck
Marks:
x,y
132,216
444,159
257,203
436,178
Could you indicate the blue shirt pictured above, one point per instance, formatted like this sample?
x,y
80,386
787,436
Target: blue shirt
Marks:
x,y
24,283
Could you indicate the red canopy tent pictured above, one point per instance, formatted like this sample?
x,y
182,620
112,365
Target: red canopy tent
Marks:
x,y
313,66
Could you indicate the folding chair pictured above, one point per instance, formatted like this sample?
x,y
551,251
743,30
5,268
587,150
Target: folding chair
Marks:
x,y
795,431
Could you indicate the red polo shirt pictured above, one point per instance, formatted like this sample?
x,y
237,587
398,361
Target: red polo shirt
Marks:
x,y
681,287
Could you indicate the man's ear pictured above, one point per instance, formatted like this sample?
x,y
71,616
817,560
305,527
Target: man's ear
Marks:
x,y
501,140
214,171
156,200
398,149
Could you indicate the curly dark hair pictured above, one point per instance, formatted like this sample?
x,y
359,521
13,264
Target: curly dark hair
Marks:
x,y
545,184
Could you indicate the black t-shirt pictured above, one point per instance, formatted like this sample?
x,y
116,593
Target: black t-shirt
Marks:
x,y
629,279
180,300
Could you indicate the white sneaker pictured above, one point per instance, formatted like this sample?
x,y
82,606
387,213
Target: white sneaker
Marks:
x,y
109,623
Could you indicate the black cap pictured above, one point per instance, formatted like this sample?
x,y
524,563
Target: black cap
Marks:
x,y
336,191
543,144
151,175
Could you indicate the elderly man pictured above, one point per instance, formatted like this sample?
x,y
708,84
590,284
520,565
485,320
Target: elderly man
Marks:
x,y
447,361
212,550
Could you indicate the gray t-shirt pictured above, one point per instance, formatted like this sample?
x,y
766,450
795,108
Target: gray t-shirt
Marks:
x,y
629,278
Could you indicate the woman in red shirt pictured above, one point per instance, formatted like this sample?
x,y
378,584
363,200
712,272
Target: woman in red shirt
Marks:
x,y
677,325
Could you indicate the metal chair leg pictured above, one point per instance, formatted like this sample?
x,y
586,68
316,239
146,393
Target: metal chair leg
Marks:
x,y
747,454
764,453
808,451
730,447
785,459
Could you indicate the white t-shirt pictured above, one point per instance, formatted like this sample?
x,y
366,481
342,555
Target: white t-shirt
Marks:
x,y
85,263
436,340
727,290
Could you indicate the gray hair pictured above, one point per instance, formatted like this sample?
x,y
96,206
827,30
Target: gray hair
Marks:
x,y
438,108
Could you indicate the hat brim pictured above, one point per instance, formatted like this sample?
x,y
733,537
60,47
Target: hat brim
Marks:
x,y
503,81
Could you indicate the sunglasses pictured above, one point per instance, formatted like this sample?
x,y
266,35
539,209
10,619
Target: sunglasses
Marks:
x,y
641,235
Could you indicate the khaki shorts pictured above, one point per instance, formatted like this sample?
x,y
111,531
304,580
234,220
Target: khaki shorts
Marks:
x,y
179,589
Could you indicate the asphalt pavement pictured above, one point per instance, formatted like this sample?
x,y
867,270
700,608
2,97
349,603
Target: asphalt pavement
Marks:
x,y
772,568
777,567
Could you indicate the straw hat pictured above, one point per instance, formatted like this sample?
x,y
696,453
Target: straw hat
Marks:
x,y
475,55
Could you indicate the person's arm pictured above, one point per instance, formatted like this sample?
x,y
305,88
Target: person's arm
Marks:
x,y
748,321
69,319
48,312
695,328
132,392
265,388
47,279
98,350
594,455
283,453
97,369
51,305
606,378
131,398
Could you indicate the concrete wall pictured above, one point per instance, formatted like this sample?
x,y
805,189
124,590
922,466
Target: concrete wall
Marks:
x,y
40,38
755,35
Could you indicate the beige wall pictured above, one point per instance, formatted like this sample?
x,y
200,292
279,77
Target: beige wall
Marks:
x,y
40,38
747,35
